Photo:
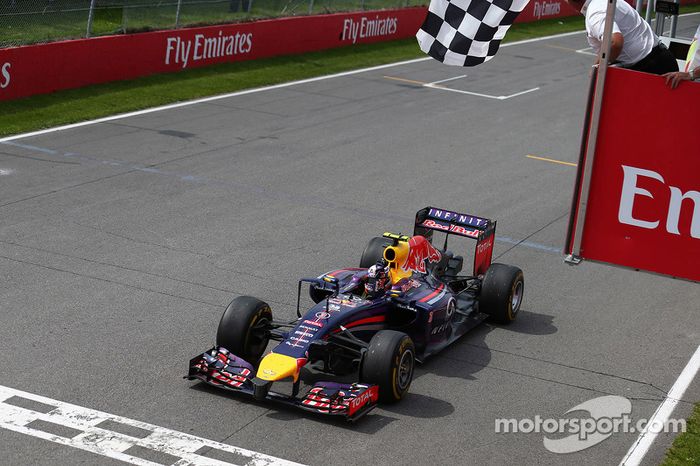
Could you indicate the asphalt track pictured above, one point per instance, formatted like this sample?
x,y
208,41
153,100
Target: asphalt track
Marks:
x,y
121,243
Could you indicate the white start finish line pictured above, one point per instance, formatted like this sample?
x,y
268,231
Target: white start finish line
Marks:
x,y
104,434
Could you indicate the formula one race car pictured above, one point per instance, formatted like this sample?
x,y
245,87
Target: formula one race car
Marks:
x,y
406,302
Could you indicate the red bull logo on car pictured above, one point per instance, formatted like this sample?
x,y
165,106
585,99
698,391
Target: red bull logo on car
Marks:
x,y
420,250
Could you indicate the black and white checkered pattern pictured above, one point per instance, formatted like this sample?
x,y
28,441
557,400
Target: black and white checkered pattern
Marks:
x,y
466,32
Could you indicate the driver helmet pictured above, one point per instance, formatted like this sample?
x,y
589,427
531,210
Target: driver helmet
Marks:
x,y
377,279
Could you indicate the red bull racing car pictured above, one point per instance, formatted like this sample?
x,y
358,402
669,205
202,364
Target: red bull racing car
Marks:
x,y
407,300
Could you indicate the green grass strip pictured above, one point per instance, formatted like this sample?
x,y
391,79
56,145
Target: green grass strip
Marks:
x,y
71,106
685,450
87,103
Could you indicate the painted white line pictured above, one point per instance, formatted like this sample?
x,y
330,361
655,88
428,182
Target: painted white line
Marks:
x,y
263,89
105,442
254,91
459,91
267,88
209,99
477,94
586,51
520,93
641,446
448,79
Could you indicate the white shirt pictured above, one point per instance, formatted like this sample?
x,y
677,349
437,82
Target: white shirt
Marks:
x,y
638,37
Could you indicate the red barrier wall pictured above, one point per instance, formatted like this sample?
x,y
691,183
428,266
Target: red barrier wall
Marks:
x,y
644,205
61,65
546,9
49,67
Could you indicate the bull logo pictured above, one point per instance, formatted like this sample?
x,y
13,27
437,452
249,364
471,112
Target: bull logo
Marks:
x,y
420,249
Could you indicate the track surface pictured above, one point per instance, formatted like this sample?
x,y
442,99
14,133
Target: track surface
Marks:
x,y
122,242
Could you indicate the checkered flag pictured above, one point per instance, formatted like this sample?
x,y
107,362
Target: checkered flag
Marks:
x,y
466,32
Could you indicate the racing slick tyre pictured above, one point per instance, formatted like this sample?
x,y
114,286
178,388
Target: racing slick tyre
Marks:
x,y
502,293
243,328
388,363
374,251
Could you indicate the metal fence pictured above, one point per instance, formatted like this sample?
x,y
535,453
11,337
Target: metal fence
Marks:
x,y
34,21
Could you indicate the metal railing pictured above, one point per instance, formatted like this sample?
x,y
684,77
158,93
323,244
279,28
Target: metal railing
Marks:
x,y
35,21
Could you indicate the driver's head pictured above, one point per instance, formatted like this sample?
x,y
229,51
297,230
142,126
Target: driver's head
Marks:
x,y
377,279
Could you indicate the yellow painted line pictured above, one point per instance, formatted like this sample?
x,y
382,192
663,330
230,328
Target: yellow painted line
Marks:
x,y
420,83
545,159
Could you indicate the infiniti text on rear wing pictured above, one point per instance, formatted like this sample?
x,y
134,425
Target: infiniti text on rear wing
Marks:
x,y
481,229
449,222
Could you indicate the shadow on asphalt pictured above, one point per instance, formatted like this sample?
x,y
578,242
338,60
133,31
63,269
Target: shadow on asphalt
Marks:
x,y
420,406
465,357
369,424
460,360
470,354
531,323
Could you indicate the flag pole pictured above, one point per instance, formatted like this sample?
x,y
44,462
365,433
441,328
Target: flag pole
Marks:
x,y
575,255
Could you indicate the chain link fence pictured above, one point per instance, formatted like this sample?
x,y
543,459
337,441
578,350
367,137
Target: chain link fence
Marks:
x,y
34,21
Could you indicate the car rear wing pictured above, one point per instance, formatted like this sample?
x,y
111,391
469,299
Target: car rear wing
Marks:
x,y
481,229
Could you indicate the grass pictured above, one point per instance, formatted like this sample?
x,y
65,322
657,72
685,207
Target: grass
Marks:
x,y
685,450
70,106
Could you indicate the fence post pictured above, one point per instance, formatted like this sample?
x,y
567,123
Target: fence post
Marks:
x,y
91,16
674,21
650,8
177,14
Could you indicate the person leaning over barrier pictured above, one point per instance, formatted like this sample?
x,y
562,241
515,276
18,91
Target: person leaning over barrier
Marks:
x,y
634,45
673,79
692,65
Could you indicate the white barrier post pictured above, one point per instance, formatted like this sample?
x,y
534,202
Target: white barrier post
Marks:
x,y
177,14
650,7
91,16
674,21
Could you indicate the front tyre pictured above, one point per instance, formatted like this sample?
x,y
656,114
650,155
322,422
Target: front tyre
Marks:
x,y
389,362
243,328
502,292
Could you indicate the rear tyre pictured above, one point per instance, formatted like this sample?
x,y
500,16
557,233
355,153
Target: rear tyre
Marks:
x,y
502,293
243,329
374,251
389,362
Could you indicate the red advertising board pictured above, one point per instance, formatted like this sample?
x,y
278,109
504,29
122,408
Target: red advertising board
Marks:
x,y
44,68
643,209
68,64
545,9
